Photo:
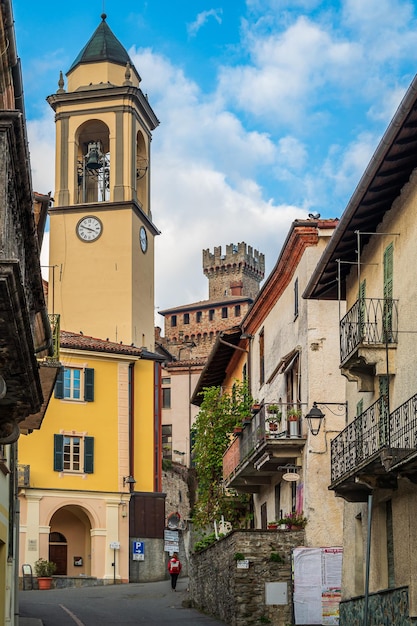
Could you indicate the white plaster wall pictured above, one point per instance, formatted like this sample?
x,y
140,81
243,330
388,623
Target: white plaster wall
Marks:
x,y
181,414
316,333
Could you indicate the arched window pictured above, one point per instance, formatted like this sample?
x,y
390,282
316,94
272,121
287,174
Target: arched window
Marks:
x,y
93,162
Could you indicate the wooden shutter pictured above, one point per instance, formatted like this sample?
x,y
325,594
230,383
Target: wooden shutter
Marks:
x,y
388,291
58,453
89,384
88,455
59,385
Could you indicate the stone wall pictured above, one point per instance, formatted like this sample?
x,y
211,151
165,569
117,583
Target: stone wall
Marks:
x,y
237,596
386,608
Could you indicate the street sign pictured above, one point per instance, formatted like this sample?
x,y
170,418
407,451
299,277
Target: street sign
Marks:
x,y
171,541
138,551
115,545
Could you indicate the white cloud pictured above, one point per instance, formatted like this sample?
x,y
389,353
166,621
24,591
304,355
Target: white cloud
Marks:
x,y
201,19
41,136
287,71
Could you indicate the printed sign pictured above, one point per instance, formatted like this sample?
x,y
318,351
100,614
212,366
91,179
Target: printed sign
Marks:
x,y
138,551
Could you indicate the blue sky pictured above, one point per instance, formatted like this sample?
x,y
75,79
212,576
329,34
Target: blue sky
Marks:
x,y
269,110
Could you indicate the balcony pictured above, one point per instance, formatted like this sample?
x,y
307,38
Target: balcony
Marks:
x,y
368,338
23,475
373,449
253,458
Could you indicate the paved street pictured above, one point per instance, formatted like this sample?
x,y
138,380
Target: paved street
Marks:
x,y
119,605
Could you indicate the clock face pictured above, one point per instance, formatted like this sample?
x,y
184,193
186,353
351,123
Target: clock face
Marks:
x,y
89,228
143,237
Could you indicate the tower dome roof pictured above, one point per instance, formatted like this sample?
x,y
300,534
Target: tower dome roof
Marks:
x,y
102,46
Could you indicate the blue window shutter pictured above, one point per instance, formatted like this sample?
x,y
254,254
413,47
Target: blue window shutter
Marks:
x,y
89,384
88,455
59,384
58,453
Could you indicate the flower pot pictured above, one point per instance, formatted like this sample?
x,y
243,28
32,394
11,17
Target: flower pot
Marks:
x,y
293,428
273,426
272,526
44,583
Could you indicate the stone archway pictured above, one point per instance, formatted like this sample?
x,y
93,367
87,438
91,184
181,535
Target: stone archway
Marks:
x,y
71,523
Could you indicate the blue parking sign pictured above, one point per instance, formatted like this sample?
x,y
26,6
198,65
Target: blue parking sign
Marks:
x,y
138,551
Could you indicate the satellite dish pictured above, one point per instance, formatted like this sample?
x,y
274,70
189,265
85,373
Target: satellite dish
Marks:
x,y
173,521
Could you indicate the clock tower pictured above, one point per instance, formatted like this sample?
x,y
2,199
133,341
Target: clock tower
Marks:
x,y
101,228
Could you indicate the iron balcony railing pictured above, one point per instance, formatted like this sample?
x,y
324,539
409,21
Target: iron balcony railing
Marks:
x,y
370,321
261,429
373,431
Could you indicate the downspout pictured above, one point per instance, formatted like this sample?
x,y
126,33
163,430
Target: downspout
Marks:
x,y
368,559
131,426
157,428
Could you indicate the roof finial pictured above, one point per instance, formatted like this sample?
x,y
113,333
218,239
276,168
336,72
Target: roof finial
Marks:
x,y
61,83
103,16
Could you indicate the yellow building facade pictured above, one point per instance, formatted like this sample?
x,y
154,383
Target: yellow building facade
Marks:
x,y
97,458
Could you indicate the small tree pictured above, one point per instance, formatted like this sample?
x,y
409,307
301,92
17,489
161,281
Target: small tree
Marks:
x,y
220,412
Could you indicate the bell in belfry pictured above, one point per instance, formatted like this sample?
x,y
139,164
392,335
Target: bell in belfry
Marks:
x,y
94,156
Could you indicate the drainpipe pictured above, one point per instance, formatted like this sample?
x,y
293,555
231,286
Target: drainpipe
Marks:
x,y
368,559
131,401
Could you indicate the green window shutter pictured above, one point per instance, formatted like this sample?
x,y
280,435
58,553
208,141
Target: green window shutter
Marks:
x,y
359,407
58,453
388,270
59,384
89,384
88,455
388,291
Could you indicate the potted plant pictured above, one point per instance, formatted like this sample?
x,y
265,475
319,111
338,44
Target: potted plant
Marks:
x,y
293,414
274,421
294,521
273,525
43,571
256,407
293,418
274,409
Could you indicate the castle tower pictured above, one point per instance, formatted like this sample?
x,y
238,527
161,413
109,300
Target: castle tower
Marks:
x,y
101,229
239,272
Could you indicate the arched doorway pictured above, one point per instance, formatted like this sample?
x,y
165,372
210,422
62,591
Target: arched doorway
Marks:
x,y
70,541
58,549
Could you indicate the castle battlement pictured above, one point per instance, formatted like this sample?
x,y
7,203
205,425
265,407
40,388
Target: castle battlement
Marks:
x,y
237,272
235,254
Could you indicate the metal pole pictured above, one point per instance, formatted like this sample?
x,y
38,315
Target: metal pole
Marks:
x,y
368,558
114,564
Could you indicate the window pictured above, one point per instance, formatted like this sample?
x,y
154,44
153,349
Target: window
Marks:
x,y
173,321
166,397
296,298
74,453
224,312
237,310
186,318
198,317
166,392
167,441
211,315
261,357
75,383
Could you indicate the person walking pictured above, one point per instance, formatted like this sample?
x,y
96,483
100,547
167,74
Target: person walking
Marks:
x,y
174,569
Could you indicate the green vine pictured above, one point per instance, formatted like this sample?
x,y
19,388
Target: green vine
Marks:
x,y
220,412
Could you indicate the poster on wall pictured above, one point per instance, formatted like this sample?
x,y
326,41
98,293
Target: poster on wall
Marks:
x,y
317,585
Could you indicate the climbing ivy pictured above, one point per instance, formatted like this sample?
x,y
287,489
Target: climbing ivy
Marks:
x,y
220,412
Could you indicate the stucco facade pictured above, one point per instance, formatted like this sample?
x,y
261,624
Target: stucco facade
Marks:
x,y
373,459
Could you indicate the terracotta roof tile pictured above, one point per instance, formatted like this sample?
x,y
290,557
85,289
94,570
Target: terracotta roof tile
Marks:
x,y
78,341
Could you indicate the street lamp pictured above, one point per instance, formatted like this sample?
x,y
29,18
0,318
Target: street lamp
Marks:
x,y
315,415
